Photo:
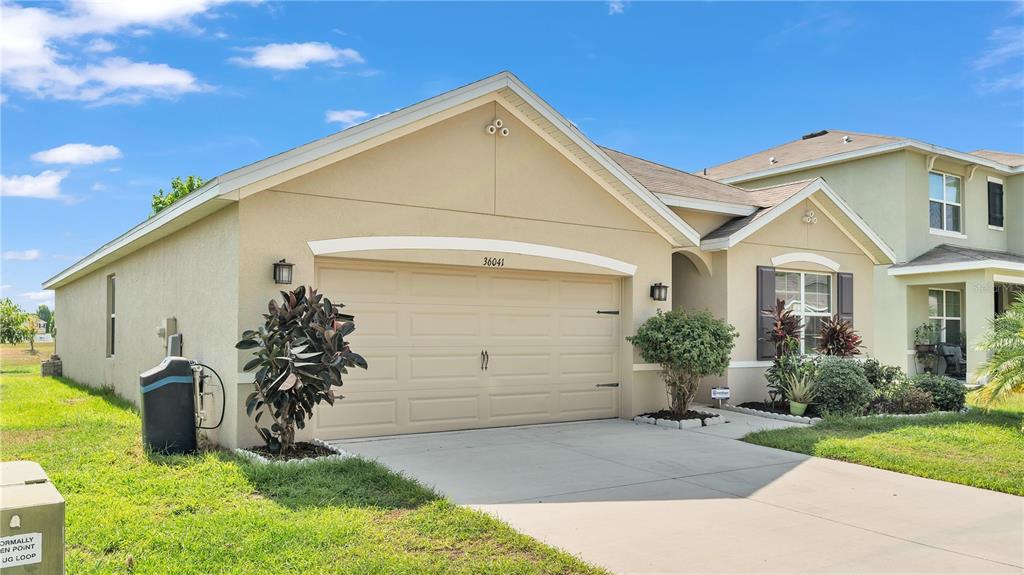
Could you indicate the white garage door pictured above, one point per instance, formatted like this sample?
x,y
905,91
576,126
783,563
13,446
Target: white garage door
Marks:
x,y
458,348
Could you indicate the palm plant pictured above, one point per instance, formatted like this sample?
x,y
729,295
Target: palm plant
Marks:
x,y
1004,371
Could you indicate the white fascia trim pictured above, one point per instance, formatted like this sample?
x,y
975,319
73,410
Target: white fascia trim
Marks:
x,y
210,191
602,158
957,267
711,206
805,257
372,243
874,151
1005,279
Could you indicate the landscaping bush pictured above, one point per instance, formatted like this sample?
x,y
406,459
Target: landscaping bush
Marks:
x,y
301,354
688,345
948,393
902,398
882,376
838,338
783,369
842,388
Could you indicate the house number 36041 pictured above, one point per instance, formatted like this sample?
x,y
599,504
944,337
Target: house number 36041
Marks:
x,y
494,262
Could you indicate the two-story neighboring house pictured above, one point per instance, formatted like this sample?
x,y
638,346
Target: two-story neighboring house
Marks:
x,y
954,220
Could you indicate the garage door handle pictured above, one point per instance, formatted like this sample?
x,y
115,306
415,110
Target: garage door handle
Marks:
x,y
607,385
608,311
481,360
487,359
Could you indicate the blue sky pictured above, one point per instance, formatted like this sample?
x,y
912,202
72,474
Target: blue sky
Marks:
x,y
154,90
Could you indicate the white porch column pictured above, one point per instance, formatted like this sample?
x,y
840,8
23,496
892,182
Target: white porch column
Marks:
x,y
979,308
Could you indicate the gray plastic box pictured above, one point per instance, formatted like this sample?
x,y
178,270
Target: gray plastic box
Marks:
x,y
31,521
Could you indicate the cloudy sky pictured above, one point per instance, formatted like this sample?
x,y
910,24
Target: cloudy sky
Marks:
x,y
102,104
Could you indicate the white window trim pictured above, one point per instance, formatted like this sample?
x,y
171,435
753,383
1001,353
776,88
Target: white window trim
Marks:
x,y
997,228
963,196
803,298
944,318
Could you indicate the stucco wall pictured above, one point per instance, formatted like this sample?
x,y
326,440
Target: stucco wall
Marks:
x,y
453,179
189,275
789,234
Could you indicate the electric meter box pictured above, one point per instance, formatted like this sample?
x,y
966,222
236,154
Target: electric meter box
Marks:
x,y
31,521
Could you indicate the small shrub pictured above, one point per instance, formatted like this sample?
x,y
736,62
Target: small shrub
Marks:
x,y
689,345
838,338
948,393
882,376
785,367
842,388
903,398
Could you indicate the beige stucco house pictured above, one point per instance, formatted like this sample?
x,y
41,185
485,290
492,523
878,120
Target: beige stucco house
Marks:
x,y
954,220
493,256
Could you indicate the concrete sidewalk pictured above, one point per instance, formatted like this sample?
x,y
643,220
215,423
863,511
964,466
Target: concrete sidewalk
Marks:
x,y
643,499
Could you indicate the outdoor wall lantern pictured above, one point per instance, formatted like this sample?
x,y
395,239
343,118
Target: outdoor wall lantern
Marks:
x,y
659,292
283,272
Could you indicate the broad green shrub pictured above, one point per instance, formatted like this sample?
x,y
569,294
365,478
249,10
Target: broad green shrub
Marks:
x,y
842,388
882,376
948,393
689,345
902,398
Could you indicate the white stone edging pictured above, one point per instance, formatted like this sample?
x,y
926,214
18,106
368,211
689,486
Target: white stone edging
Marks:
x,y
338,455
684,424
770,415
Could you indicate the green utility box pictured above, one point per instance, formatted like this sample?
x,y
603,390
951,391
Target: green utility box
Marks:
x,y
31,521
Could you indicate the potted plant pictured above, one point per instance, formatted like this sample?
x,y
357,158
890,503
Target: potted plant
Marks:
x,y
689,345
925,336
800,392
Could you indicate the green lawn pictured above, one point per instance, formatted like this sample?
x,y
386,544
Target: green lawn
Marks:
x,y
983,449
213,513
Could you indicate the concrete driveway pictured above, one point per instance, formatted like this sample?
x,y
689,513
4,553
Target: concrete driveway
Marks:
x,y
643,499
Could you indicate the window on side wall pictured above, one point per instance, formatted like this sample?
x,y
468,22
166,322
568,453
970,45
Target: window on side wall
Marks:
x,y
111,313
944,314
995,204
945,202
809,296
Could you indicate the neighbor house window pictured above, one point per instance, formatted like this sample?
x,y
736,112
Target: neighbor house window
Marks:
x,y
995,204
944,314
945,203
809,295
111,314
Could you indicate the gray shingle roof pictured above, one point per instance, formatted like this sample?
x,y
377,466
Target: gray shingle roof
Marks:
x,y
830,143
948,254
771,196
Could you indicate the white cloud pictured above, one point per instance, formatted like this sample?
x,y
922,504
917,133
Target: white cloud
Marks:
x,y
45,186
297,56
23,256
42,296
616,7
1000,67
77,154
40,60
99,45
346,117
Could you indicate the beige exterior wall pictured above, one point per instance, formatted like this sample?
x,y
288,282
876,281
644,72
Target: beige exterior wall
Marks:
x,y
453,179
190,275
788,234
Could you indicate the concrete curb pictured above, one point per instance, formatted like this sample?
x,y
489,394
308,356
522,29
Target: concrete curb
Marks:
x,y
770,415
684,424
254,457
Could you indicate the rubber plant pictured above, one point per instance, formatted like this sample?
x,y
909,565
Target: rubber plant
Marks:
x,y
838,338
300,357
689,346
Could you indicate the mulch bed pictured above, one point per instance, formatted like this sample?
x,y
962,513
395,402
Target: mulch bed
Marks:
x,y
812,410
691,414
302,450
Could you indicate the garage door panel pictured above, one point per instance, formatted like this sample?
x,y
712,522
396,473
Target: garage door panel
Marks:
x,y
422,329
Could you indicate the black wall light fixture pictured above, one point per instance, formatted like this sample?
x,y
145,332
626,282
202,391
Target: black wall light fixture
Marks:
x,y
283,272
659,292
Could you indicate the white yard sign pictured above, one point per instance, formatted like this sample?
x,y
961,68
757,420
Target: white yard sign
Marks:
x,y
23,549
